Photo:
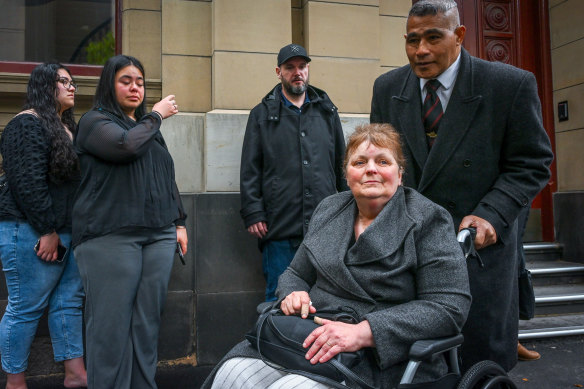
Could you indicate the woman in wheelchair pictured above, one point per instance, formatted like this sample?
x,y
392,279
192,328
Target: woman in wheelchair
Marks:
x,y
383,250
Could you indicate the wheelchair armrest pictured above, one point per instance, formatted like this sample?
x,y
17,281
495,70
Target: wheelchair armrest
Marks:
x,y
424,349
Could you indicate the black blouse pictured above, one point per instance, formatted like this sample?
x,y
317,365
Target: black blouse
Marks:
x,y
32,196
128,178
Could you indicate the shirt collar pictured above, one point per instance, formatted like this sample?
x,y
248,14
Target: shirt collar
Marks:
x,y
447,78
289,104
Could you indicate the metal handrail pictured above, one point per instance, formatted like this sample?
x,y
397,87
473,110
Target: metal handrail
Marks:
x,y
556,270
551,332
559,298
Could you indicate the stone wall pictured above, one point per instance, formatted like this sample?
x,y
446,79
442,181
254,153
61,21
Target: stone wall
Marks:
x,y
567,48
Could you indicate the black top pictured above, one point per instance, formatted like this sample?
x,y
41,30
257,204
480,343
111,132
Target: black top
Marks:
x,y
127,176
26,148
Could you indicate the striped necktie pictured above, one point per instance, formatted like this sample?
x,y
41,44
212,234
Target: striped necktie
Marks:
x,y
432,111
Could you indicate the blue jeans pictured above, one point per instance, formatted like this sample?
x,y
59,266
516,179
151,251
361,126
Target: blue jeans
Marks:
x,y
276,256
34,284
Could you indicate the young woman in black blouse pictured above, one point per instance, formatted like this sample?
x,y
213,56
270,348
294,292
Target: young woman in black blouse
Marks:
x,y
127,220
41,176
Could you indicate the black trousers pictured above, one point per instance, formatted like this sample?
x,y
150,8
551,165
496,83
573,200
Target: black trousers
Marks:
x,y
125,276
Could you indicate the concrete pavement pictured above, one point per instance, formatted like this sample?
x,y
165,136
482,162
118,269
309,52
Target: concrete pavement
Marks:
x,y
560,367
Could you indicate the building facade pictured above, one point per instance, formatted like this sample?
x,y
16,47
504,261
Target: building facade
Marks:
x,y
219,56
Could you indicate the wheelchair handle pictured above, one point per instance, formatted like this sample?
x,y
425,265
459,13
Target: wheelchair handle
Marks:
x,y
466,239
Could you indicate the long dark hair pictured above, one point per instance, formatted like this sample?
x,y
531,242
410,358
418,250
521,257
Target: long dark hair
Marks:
x,y
105,94
41,96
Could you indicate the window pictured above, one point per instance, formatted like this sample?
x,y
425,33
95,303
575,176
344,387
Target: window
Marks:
x,y
78,32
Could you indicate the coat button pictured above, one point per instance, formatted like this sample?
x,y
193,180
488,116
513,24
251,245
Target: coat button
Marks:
x,y
305,162
306,221
451,205
467,163
307,192
303,133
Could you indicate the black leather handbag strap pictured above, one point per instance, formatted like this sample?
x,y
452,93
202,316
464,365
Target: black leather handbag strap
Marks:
x,y
348,373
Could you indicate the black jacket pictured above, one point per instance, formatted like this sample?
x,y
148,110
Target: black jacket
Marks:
x,y
32,195
290,162
127,176
491,157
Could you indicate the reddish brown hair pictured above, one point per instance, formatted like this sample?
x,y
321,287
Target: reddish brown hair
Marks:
x,y
379,135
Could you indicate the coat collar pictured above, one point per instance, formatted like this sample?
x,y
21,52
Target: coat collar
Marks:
x,y
456,120
329,244
274,103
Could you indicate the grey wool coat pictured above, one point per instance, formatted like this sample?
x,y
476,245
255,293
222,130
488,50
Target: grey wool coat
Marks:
x,y
405,274
490,159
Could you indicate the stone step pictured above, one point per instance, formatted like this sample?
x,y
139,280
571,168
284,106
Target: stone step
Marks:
x,y
542,251
551,326
555,272
559,299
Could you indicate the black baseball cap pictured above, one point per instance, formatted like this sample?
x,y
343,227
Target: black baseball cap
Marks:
x,y
291,51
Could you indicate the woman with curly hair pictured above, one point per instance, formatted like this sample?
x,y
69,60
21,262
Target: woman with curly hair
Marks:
x,y
41,176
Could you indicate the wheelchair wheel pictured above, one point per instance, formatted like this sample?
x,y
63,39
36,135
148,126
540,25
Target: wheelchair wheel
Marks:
x,y
486,375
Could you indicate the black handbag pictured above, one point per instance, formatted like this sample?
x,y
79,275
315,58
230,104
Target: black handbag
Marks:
x,y
278,339
526,296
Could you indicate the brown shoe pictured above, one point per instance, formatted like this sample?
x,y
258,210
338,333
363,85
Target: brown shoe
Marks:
x,y
524,354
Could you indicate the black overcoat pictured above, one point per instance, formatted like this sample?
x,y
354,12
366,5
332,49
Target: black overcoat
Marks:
x,y
491,157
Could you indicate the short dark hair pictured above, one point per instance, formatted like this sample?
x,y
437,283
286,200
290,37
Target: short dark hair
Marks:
x,y
105,94
435,7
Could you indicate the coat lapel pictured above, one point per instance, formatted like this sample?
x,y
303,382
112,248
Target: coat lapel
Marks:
x,y
328,247
455,123
409,108
385,235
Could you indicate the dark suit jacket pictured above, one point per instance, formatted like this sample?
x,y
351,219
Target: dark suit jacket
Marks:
x,y
490,159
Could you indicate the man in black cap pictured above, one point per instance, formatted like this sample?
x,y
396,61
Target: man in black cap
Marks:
x,y
292,158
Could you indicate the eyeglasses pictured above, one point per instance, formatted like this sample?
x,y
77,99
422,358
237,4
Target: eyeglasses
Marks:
x,y
67,83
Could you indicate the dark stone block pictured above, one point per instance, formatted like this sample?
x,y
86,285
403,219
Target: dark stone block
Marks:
x,y
181,277
227,257
222,321
176,329
568,217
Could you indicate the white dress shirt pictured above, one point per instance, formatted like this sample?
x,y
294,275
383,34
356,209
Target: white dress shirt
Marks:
x,y
447,79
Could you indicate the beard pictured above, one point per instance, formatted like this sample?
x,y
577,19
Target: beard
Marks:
x,y
295,90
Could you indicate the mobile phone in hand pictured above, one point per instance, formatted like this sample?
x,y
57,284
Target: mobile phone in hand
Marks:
x,y
61,251
180,253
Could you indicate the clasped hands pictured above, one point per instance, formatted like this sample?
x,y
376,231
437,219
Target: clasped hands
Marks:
x,y
332,337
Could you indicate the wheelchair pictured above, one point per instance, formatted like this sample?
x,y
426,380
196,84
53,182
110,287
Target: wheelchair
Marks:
x,y
482,375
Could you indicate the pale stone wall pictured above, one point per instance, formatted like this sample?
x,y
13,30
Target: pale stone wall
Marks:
x,y
567,45
219,57
141,34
